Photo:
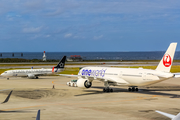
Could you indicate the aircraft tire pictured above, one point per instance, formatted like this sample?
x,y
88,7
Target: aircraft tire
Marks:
x,y
104,90
133,89
107,90
137,89
111,90
129,89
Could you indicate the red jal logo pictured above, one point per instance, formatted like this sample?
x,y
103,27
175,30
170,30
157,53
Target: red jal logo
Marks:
x,y
167,60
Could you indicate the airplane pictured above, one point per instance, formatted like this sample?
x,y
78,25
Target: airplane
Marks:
x,y
34,73
173,117
131,77
7,98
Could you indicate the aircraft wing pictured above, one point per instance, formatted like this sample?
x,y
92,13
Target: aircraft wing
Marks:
x,y
119,81
69,75
37,74
7,99
114,80
166,114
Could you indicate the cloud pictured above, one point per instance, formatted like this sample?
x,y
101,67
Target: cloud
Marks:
x,y
34,5
35,36
47,36
79,20
98,37
55,12
67,35
32,29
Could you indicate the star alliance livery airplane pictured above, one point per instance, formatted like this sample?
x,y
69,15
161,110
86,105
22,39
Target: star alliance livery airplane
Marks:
x,y
131,77
34,73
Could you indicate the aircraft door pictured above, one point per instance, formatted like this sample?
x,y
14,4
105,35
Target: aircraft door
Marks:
x,y
14,74
144,76
120,74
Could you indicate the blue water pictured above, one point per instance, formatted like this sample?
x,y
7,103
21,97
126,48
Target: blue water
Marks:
x,y
93,55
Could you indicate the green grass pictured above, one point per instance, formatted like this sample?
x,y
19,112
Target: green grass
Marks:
x,y
73,71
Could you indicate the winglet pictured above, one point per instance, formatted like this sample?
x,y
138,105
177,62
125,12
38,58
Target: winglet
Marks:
x,y
7,99
38,115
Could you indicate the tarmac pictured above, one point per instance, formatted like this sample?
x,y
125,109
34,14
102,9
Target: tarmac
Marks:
x,y
72,103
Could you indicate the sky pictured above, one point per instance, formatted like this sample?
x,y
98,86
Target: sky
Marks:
x,y
88,25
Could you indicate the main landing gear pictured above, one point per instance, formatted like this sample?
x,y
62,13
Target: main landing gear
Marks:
x,y
107,89
134,88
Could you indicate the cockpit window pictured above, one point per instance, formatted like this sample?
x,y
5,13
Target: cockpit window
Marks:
x,y
5,72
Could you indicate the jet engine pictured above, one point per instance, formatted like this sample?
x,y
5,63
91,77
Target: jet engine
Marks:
x,y
31,76
84,83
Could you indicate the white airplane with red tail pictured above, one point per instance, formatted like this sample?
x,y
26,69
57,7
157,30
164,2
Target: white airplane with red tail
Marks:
x,y
131,77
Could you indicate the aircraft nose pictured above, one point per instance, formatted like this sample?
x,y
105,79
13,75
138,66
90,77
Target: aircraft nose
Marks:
x,y
2,74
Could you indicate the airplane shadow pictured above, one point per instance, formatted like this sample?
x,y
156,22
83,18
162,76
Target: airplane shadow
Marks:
x,y
141,91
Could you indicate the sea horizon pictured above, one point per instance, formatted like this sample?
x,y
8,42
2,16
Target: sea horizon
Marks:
x,y
143,55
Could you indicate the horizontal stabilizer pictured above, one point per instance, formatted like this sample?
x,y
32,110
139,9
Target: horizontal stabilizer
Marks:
x,y
176,75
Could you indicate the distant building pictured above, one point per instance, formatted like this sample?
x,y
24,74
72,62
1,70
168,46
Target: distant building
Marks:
x,y
44,56
75,58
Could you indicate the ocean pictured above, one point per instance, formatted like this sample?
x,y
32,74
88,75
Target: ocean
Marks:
x,y
92,55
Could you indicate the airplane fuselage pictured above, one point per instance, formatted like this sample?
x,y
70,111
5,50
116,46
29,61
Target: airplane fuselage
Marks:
x,y
28,72
124,76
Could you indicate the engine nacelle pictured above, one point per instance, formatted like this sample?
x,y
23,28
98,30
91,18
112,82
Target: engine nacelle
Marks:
x,y
31,76
84,83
